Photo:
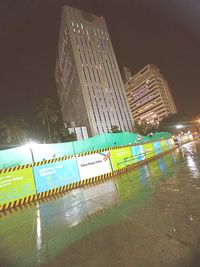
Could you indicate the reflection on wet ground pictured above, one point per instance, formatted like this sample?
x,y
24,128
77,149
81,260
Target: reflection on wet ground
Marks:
x,y
147,217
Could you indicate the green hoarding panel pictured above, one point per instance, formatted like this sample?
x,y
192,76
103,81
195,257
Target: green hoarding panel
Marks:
x,y
16,184
89,144
120,157
115,139
49,151
15,156
148,150
120,139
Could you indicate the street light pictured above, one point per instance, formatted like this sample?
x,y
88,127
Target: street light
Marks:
x,y
30,146
32,156
179,126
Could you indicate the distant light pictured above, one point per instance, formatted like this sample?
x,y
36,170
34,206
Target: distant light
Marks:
x,y
30,144
179,126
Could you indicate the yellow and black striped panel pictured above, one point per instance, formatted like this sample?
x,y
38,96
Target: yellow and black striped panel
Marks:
x,y
15,203
39,163
92,152
16,168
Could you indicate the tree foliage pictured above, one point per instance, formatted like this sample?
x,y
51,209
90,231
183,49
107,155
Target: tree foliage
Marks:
x,y
48,114
115,129
62,134
144,128
14,131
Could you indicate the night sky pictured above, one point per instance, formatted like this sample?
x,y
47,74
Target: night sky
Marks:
x,y
162,32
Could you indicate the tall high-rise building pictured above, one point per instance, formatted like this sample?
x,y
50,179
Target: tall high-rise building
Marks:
x,y
149,96
89,83
126,74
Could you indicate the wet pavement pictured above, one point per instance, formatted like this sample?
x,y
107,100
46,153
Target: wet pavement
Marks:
x,y
147,217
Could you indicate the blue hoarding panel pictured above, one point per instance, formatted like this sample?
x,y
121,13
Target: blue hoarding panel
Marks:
x,y
56,174
138,152
157,147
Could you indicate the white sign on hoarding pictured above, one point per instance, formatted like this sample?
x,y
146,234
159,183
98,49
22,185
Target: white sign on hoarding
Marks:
x,y
94,165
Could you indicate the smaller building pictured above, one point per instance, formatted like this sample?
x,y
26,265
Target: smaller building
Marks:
x,y
80,132
149,96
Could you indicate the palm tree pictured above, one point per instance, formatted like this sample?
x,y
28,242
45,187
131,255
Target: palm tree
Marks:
x,y
48,113
14,131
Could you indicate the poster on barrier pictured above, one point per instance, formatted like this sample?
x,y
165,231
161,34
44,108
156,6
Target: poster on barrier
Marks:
x,y
53,175
164,145
157,147
16,184
148,150
121,157
137,153
94,165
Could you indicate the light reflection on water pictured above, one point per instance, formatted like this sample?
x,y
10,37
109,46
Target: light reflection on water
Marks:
x,y
39,230
189,154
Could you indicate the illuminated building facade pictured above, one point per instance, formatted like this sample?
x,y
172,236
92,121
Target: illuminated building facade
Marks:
x,y
149,96
89,83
